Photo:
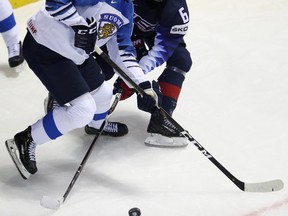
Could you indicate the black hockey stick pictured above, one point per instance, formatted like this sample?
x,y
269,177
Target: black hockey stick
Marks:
x,y
55,203
267,186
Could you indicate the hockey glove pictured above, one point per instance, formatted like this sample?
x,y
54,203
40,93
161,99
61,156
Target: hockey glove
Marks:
x,y
139,45
85,36
152,98
126,91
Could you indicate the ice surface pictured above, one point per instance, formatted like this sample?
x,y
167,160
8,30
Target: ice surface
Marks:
x,y
234,102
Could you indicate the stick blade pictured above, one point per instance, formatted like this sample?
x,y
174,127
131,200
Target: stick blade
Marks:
x,y
268,186
51,203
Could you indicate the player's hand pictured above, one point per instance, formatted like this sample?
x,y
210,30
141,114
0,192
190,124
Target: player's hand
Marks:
x,y
126,91
85,35
152,98
139,45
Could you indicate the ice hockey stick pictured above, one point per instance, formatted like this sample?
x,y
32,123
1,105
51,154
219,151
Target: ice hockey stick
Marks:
x,y
55,203
267,186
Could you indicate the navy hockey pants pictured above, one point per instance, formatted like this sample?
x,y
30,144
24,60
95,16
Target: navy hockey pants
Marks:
x,y
62,77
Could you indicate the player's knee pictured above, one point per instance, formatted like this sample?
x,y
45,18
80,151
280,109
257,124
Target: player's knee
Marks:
x,y
186,63
82,110
181,59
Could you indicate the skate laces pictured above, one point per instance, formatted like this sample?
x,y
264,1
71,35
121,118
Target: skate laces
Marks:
x,y
111,127
54,104
50,103
31,151
14,50
169,126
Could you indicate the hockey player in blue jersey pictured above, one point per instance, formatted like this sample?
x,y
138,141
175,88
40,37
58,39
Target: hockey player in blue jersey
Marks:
x,y
57,47
10,34
161,26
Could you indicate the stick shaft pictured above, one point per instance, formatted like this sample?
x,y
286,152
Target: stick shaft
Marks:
x,y
229,175
89,151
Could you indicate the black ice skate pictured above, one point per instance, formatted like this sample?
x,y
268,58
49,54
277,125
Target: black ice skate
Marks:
x,y
16,58
50,103
114,129
162,132
22,152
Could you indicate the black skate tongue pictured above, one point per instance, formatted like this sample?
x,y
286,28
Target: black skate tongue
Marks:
x,y
158,112
165,124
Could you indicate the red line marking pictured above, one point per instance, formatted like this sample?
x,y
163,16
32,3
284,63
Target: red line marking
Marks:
x,y
274,206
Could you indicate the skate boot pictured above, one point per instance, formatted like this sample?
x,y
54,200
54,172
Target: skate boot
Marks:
x,y
22,152
114,129
162,132
16,59
49,103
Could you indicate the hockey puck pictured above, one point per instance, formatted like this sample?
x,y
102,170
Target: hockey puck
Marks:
x,y
134,212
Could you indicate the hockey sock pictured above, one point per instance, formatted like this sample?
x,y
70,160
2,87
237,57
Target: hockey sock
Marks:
x,y
170,82
8,27
102,97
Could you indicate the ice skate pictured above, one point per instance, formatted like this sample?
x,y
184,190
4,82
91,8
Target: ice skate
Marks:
x,y
162,133
22,152
114,129
16,59
49,103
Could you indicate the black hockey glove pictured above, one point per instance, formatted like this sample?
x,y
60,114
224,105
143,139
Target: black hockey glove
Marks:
x,y
139,45
126,91
85,36
152,98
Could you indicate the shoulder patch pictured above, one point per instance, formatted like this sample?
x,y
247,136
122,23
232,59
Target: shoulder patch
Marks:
x,y
108,25
179,29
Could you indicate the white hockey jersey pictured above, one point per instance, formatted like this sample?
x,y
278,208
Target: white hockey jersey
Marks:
x,y
51,27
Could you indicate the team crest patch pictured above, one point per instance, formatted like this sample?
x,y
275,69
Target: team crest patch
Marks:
x,y
108,25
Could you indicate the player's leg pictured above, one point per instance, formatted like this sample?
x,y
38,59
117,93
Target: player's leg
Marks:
x,y
63,79
173,76
102,97
161,131
114,129
10,34
106,68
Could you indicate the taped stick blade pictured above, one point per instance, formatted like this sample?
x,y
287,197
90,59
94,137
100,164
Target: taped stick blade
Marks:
x,y
51,203
268,186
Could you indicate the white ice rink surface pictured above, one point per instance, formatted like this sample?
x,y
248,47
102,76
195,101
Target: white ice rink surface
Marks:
x,y
234,102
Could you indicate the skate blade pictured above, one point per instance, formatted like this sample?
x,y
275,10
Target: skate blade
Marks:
x,y
12,150
158,140
19,68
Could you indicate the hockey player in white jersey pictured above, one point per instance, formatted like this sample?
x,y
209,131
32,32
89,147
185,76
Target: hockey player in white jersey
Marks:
x,y
57,47
10,34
